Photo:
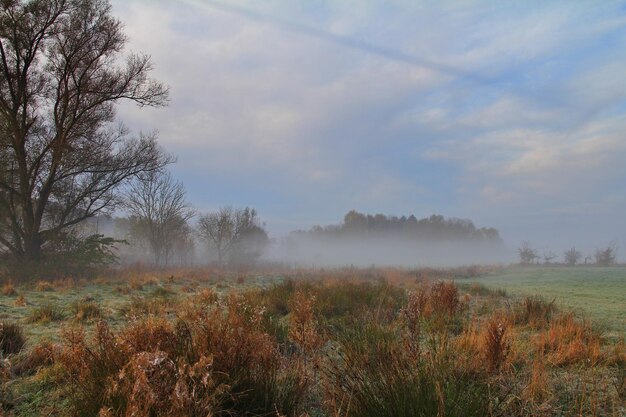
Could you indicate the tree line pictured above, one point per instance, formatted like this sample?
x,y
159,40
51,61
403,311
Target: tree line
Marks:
x,y
433,228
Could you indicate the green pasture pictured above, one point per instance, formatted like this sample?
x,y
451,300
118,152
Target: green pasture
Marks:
x,y
597,292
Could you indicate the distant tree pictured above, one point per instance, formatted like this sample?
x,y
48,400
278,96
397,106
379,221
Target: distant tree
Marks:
x,y
548,256
527,254
572,256
62,154
606,256
232,233
159,213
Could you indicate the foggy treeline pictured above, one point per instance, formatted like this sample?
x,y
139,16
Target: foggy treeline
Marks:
x,y
433,228
365,239
360,239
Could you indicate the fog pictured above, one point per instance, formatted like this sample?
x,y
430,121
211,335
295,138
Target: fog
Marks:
x,y
309,251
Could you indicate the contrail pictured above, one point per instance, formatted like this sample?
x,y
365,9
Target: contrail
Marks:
x,y
342,40
373,49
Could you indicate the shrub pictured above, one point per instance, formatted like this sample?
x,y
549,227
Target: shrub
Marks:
x,y
216,360
11,338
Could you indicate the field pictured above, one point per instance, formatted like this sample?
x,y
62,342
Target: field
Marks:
x,y
597,292
323,343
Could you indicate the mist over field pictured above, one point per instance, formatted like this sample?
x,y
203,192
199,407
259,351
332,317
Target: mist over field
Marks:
x,y
327,252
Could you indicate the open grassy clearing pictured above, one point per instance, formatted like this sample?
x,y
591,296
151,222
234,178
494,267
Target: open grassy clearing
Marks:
x,y
301,343
597,292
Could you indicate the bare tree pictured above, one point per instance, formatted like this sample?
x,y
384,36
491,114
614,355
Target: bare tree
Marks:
x,y
62,156
548,256
159,213
227,230
606,256
527,254
572,256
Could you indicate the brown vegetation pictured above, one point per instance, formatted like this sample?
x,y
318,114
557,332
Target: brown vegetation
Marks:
x,y
337,343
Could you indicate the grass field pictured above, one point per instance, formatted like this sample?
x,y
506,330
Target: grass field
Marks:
x,y
296,343
598,292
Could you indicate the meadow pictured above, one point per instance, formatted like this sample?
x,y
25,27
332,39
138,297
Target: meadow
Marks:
x,y
336,343
594,291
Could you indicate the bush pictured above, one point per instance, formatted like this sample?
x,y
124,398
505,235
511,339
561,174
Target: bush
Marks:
x,y
11,338
216,360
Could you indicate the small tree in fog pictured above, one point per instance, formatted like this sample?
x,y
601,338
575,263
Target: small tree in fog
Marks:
x,y
572,256
548,256
606,256
230,231
527,254
159,214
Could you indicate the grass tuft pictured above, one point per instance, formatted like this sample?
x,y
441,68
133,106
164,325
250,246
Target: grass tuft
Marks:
x,y
11,338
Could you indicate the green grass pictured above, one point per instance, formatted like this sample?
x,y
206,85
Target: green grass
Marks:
x,y
598,292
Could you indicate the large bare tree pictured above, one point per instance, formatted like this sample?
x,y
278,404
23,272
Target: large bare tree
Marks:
x,y
159,214
62,156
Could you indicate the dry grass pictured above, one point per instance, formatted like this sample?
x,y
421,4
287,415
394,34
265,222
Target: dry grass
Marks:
x,y
496,343
340,343
86,310
20,301
42,286
11,338
8,290
568,341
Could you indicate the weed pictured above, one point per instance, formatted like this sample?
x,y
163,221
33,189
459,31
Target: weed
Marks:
x,y
496,344
303,331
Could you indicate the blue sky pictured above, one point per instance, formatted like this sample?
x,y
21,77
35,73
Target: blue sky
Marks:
x,y
513,115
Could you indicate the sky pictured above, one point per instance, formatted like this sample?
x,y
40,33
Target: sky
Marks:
x,y
512,114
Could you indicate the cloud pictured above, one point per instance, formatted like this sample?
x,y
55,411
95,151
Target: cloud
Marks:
x,y
309,109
